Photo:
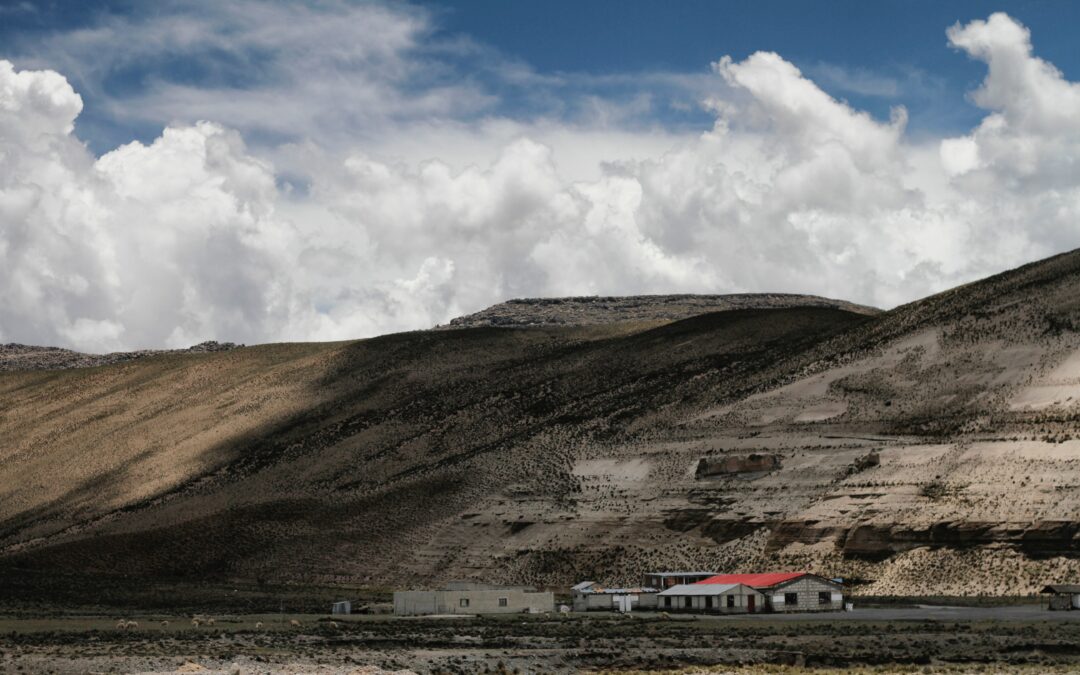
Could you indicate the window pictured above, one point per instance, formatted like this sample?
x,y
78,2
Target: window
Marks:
x,y
502,602
731,601
667,601
791,598
464,602
824,598
708,602
688,601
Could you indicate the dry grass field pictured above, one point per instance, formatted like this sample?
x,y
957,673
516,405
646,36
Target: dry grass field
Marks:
x,y
515,644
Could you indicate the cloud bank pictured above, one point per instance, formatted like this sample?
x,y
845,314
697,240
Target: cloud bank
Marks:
x,y
202,235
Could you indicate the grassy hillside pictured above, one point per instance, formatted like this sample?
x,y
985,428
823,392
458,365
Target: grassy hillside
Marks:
x,y
337,461
926,450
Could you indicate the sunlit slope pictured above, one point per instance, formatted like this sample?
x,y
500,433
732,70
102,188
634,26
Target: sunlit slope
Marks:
x,y
338,460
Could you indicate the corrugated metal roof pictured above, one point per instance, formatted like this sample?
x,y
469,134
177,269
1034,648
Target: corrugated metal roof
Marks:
x,y
700,589
583,585
677,574
754,580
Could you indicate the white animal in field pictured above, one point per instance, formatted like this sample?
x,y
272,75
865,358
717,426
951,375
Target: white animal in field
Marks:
x,y
210,621
164,624
195,622
121,625
258,625
294,623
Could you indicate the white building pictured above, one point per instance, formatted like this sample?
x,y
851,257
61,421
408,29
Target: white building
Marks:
x,y
705,598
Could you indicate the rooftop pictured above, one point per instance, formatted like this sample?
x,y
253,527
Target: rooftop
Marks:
x,y
754,580
700,589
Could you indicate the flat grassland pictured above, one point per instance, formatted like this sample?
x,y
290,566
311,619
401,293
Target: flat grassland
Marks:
x,y
1025,639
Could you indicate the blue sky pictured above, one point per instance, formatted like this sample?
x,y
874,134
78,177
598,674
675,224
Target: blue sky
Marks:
x,y
180,170
874,54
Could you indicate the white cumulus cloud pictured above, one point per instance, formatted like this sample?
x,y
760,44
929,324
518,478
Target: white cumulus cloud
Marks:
x,y
203,234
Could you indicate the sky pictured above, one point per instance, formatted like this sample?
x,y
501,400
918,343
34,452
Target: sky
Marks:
x,y
173,172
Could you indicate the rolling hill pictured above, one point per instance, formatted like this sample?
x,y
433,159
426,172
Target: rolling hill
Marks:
x,y
924,450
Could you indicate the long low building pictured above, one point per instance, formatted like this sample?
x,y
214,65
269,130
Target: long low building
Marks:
x,y
789,591
711,599
473,600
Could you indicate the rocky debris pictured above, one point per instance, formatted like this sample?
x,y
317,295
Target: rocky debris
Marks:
x,y
867,461
752,463
14,356
598,310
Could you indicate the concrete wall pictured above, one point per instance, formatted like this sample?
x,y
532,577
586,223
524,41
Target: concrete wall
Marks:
x,y
646,601
807,589
485,601
1062,601
592,602
720,603
595,602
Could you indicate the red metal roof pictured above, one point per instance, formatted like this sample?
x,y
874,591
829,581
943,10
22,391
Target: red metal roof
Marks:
x,y
754,580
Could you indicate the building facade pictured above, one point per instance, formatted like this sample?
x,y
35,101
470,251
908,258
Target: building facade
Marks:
x,y
702,598
790,591
473,601
589,596
1063,596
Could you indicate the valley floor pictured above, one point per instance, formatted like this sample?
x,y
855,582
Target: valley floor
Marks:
x,y
882,640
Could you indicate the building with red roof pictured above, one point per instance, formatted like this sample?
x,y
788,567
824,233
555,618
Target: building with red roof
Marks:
x,y
788,591
758,581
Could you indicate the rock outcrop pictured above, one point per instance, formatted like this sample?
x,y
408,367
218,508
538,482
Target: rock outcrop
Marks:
x,y
15,356
601,310
730,464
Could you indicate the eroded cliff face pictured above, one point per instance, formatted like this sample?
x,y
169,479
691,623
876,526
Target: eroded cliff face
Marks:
x,y
928,450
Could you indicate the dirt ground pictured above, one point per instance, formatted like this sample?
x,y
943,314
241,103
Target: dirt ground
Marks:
x,y
269,643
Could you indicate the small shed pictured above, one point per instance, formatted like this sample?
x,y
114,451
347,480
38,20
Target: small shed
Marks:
x,y
590,596
341,607
711,599
1063,596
